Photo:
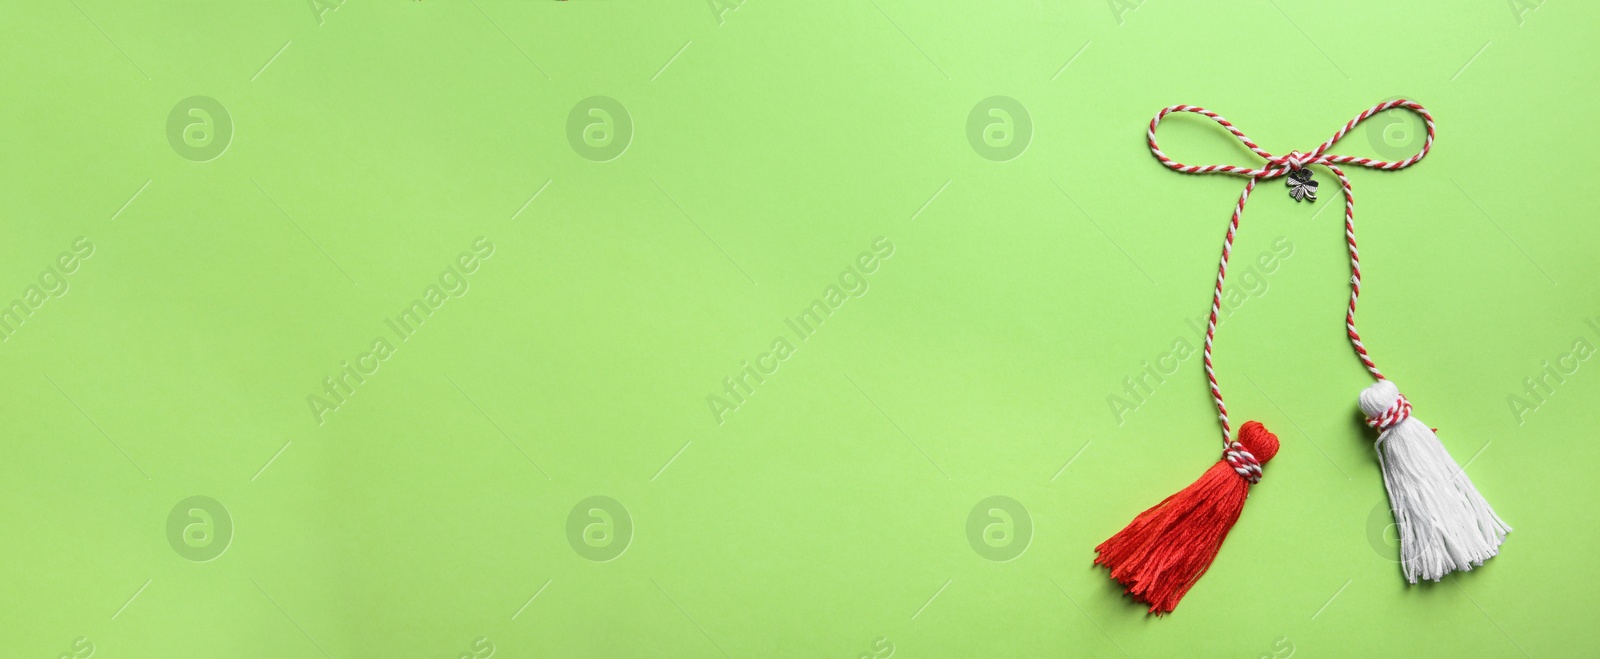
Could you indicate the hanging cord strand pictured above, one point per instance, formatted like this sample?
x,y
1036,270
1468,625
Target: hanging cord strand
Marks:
x,y
1216,304
1355,273
1274,167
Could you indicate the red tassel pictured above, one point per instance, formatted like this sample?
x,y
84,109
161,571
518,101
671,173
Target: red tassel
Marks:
x,y
1164,550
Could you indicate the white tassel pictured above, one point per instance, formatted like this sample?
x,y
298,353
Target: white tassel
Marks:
x,y
1444,523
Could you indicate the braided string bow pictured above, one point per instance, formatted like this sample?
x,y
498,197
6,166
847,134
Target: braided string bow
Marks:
x,y
1294,166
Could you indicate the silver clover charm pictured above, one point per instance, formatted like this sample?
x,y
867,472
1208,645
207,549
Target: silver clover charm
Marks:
x,y
1301,186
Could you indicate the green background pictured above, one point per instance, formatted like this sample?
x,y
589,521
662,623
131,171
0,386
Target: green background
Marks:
x,y
771,144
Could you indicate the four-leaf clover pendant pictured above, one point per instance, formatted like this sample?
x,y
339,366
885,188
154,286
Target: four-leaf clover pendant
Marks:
x,y
1301,186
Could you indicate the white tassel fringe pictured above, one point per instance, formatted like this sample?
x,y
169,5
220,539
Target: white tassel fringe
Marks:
x,y
1444,523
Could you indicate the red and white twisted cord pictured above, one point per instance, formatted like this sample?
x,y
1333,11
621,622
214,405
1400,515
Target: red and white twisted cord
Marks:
x,y
1243,462
1398,411
1275,167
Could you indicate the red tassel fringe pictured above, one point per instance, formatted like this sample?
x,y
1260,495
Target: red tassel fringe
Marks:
x,y
1165,550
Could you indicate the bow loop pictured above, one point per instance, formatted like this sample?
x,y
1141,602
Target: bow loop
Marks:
x,y
1276,166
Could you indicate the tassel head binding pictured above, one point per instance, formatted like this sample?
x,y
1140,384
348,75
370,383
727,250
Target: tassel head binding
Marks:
x,y
1165,550
1444,524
